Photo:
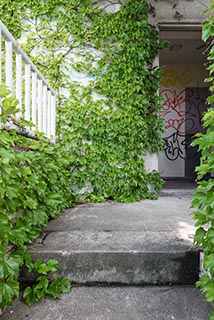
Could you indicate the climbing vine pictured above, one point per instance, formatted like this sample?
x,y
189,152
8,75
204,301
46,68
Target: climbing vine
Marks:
x,y
104,128
34,187
106,123
109,123
203,198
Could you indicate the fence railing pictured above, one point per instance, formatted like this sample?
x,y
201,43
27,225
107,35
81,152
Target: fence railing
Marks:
x,y
35,96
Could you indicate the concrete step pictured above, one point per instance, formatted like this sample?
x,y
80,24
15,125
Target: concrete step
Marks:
x,y
121,257
116,303
148,242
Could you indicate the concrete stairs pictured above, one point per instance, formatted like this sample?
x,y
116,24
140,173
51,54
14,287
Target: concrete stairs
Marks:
x,y
126,261
145,243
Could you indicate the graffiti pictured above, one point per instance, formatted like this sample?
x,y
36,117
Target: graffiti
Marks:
x,y
182,113
172,78
176,146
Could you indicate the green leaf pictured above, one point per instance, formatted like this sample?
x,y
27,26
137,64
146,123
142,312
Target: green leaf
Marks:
x,y
8,290
30,203
29,296
199,236
52,265
10,266
59,285
4,224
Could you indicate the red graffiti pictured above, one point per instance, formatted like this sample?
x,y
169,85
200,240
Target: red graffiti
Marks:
x,y
180,112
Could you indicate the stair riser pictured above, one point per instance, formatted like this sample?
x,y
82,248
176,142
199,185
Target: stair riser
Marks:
x,y
130,268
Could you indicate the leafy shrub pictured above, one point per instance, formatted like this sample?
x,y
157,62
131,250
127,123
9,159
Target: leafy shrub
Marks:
x,y
34,187
203,199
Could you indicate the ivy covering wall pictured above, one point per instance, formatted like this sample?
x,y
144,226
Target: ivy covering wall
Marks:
x,y
107,136
104,128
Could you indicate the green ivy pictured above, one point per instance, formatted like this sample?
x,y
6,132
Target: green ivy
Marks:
x,y
107,138
204,195
34,187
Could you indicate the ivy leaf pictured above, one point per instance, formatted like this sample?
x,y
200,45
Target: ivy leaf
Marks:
x,y
10,266
29,296
209,262
59,285
4,224
8,290
30,203
212,315
199,236
28,261
43,268
52,265
4,91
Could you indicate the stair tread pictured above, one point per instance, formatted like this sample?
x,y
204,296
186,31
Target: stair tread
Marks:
x,y
110,303
114,241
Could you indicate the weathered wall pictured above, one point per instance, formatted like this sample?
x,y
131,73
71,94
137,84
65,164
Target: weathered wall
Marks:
x,y
170,13
189,10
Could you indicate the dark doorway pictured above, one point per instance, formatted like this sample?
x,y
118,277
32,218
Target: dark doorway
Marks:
x,y
194,108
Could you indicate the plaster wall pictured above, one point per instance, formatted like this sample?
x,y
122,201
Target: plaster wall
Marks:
x,y
189,10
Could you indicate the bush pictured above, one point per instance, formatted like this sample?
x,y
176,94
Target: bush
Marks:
x,y
34,187
203,199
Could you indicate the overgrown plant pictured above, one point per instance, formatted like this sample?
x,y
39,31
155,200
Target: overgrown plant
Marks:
x,y
34,186
109,136
203,199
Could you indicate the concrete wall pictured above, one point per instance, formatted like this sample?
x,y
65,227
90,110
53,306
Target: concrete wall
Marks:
x,y
189,9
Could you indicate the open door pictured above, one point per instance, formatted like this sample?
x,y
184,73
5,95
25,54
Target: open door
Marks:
x,y
195,107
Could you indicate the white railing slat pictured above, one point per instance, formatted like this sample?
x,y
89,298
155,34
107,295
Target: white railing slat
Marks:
x,y
44,110
27,91
40,105
19,82
8,64
34,98
49,115
53,116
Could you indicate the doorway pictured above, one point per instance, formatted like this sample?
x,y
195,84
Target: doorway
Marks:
x,y
184,101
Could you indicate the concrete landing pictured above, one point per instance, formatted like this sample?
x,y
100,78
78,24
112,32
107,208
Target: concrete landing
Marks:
x,y
116,303
147,242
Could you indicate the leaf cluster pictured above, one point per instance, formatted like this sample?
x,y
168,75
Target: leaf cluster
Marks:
x,y
203,198
34,187
107,137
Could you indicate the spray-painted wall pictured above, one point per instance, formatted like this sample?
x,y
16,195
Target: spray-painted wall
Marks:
x,y
176,79
183,104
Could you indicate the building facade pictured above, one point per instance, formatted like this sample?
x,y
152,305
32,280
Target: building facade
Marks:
x,y
183,88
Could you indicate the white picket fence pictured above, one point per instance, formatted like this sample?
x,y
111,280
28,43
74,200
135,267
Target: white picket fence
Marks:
x,y
31,89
